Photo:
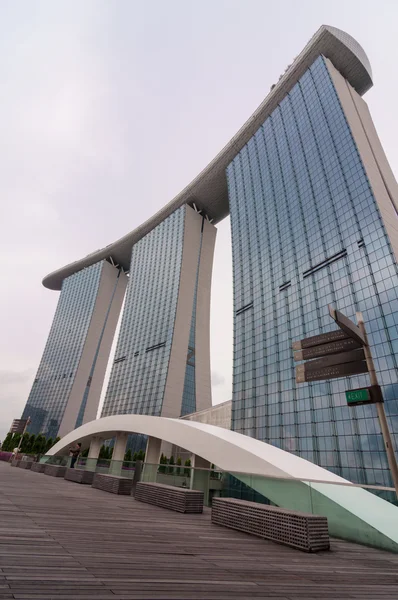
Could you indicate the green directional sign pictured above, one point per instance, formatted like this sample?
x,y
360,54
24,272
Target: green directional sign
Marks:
x,y
369,395
358,396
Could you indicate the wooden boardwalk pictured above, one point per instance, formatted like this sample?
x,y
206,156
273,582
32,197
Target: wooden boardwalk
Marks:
x,y
61,540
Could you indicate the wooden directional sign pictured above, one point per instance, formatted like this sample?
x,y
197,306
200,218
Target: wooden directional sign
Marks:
x,y
309,372
317,340
347,325
338,359
324,349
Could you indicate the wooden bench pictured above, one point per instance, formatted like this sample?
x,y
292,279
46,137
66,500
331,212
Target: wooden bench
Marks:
x,y
38,467
54,470
167,496
79,476
113,484
25,464
299,530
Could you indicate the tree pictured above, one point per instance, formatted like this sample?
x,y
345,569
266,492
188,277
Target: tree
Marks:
x,y
187,464
7,443
163,462
128,457
43,444
49,444
38,444
171,463
179,462
85,453
135,456
15,441
31,443
141,455
25,442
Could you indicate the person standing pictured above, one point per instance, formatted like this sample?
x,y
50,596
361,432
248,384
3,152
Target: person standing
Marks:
x,y
74,452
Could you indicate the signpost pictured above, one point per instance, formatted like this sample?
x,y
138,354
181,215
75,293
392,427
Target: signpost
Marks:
x,y
317,340
352,330
310,372
342,353
325,349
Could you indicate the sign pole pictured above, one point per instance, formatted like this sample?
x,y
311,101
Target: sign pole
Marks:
x,y
392,461
24,430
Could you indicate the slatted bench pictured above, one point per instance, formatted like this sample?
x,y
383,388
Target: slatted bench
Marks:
x,y
113,484
79,476
299,530
54,470
25,464
38,467
167,496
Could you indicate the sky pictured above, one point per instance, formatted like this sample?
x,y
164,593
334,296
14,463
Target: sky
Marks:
x,y
109,108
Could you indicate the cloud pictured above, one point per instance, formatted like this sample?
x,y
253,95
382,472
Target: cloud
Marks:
x,y
14,377
217,378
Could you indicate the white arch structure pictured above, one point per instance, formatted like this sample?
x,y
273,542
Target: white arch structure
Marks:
x,y
287,480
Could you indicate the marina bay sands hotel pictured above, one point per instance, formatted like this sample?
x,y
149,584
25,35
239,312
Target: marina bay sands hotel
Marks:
x,y
313,205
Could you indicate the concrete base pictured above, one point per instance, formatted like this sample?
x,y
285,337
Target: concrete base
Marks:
x,y
54,470
15,462
79,476
25,464
113,484
167,496
38,467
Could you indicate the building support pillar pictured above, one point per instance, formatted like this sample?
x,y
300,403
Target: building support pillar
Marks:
x,y
119,450
152,457
200,476
93,453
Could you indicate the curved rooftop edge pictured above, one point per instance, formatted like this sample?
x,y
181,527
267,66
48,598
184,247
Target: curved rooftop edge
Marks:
x,y
208,191
286,479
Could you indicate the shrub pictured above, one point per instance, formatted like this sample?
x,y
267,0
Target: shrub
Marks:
x,y
187,464
6,447
128,457
171,463
163,462
179,462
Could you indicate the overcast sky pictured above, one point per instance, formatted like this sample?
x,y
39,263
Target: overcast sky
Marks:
x,y
109,108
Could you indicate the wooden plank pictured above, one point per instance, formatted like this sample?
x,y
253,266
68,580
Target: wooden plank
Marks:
x,y
64,541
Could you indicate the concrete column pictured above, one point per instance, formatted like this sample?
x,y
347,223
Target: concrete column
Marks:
x,y
152,457
200,479
93,453
119,450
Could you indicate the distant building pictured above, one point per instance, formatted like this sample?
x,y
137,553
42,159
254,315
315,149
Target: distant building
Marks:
x,y
68,383
162,359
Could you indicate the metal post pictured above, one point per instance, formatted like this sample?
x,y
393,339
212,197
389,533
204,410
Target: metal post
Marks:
x,y
392,461
23,433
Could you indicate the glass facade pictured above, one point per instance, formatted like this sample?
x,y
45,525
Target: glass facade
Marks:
x,y
58,367
138,377
306,232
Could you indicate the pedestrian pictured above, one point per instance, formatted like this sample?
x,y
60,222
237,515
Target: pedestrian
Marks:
x,y
74,452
